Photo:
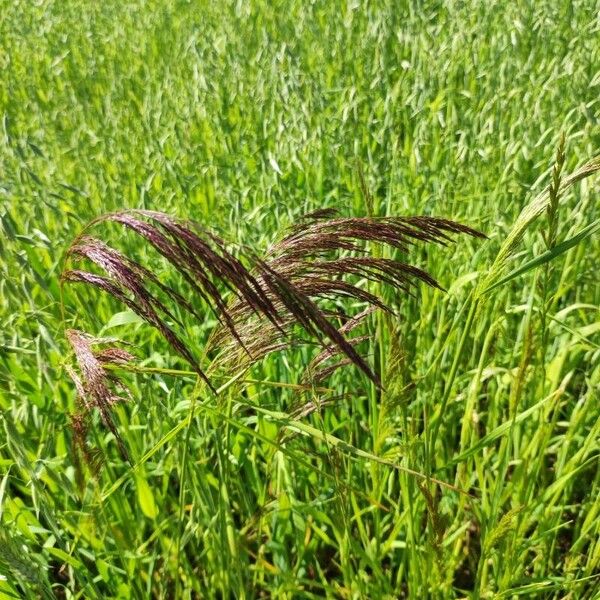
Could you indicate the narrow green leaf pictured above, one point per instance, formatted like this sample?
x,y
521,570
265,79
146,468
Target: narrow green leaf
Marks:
x,y
498,432
547,256
146,497
529,214
126,317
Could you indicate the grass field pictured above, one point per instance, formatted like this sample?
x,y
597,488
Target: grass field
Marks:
x,y
473,472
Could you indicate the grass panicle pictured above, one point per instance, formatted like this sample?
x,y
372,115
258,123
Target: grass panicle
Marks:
x,y
259,301
97,387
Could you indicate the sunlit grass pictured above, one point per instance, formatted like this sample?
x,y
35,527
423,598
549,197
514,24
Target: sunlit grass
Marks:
x,y
245,116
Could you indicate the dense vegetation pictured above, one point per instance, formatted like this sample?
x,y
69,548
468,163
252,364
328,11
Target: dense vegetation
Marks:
x,y
472,471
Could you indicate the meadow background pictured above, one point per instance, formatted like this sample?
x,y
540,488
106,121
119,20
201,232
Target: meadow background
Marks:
x,y
243,116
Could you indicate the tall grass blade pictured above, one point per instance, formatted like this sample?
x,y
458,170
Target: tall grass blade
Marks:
x,y
547,256
529,214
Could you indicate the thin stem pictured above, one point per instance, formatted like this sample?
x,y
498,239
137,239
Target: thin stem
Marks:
x,y
182,483
236,378
452,376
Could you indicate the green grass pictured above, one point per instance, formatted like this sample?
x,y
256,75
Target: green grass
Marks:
x,y
244,116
